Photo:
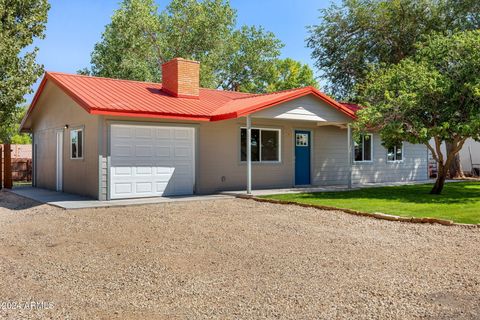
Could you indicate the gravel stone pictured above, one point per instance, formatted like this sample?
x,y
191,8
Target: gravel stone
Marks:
x,y
232,259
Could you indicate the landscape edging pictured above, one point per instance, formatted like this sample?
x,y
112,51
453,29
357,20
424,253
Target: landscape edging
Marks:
x,y
381,216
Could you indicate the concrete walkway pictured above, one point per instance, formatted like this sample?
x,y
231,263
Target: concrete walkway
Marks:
x,y
311,189
71,201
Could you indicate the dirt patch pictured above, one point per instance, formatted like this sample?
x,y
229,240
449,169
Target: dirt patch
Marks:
x,y
231,259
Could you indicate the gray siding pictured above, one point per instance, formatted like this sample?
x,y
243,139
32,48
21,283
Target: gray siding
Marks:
x,y
331,162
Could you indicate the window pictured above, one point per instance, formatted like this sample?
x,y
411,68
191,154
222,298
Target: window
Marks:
x,y
76,144
363,148
395,153
301,140
265,145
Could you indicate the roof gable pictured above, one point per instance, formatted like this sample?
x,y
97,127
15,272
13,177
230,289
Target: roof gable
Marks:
x,y
308,108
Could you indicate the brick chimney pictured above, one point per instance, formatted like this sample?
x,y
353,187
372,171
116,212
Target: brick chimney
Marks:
x,y
181,78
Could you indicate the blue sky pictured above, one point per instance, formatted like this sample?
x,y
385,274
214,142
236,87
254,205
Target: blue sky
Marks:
x,y
74,27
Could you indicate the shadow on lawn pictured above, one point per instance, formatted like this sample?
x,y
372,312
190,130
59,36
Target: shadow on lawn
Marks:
x,y
453,193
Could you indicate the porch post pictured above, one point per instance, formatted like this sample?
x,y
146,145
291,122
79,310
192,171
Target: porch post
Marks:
x,y
349,155
249,155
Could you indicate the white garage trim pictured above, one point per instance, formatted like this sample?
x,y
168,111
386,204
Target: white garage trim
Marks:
x,y
150,160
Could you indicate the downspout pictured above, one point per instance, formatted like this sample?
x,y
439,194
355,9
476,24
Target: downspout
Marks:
x,y
249,155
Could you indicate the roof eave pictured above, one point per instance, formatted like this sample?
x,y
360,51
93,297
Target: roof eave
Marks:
x,y
151,115
39,92
32,104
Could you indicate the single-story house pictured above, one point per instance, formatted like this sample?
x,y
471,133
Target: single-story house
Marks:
x,y
111,139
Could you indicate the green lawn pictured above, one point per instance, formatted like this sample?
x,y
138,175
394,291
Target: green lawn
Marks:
x,y
460,201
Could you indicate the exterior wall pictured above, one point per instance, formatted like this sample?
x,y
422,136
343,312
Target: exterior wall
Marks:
x,y
331,156
220,156
54,110
331,161
414,166
218,165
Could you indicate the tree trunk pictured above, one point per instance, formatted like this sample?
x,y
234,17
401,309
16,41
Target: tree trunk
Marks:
x,y
455,168
440,182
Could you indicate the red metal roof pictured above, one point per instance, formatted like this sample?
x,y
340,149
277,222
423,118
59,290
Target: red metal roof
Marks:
x,y
145,99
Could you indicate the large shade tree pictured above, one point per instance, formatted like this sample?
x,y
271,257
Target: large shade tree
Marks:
x,y
21,23
248,57
356,34
288,73
140,38
434,95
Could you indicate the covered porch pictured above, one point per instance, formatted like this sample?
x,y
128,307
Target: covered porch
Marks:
x,y
320,147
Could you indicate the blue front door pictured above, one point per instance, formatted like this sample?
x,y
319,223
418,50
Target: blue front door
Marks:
x,y
302,157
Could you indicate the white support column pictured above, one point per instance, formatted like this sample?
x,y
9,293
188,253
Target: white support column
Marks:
x,y
249,155
349,155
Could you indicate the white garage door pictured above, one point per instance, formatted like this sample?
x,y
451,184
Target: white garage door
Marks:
x,y
149,161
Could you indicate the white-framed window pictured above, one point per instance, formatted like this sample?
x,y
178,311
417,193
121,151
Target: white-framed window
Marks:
x,y
265,145
76,144
363,148
395,153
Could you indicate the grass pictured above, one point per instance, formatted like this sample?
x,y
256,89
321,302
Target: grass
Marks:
x,y
459,201
22,183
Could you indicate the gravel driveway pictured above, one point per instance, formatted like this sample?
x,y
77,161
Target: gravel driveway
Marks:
x,y
231,259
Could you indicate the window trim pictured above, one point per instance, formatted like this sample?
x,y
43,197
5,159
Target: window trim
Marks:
x,y
363,150
395,154
83,143
260,149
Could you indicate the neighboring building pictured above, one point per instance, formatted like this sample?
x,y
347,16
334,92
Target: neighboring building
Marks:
x,y
469,158
20,151
111,139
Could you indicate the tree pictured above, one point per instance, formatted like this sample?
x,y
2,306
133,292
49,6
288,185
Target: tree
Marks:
x,y
139,40
248,57
127,49
197,30
12,132
433,95
360,34
21,23
288,74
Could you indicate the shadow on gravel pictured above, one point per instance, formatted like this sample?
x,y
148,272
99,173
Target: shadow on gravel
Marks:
x,y
14,202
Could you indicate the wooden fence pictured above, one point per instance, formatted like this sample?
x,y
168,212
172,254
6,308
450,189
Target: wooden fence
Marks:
x,y
22,169
21,162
